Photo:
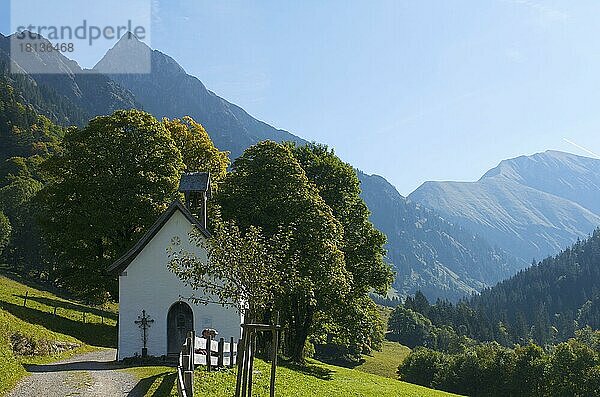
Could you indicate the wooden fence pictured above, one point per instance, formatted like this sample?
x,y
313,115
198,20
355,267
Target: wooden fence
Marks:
x,y
202,351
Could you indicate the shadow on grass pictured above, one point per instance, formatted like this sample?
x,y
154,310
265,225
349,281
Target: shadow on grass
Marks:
x,y
69,306
309,369
95,334
164,389
339,362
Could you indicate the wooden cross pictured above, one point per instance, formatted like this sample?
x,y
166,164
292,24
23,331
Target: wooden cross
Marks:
x,y
144,322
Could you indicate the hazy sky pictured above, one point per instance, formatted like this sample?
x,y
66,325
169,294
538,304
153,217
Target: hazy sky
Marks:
x,y
411,90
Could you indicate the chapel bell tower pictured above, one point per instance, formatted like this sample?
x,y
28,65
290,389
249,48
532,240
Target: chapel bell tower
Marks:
x,y
195,186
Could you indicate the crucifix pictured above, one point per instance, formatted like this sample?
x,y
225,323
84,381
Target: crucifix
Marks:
x,y
144,322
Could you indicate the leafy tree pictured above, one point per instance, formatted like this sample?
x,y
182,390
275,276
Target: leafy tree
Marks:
x,y
268,188
409,327
355,329
339,187
528,374
422,366
570,368
109,182
26,250
244,270
5,230
197,149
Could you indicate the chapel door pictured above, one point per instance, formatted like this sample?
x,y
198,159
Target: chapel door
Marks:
x,y
180,320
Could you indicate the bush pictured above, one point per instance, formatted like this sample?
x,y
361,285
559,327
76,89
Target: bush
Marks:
x,y
571,368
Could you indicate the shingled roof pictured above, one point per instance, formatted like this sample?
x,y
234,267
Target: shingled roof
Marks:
x,y
195,182
121,264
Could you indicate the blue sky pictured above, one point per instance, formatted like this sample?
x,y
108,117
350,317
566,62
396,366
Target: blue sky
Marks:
x,y
411,90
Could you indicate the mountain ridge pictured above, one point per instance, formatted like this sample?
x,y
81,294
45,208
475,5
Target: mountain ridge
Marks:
x,y
230,126
532,206
429,250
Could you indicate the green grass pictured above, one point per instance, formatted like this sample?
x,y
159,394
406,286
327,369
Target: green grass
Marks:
x,y
312,380
385,363
37,322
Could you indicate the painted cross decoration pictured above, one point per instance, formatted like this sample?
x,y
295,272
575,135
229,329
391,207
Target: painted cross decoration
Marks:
x,y
144,321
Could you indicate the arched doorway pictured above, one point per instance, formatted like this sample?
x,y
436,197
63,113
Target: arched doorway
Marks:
x,y
180,320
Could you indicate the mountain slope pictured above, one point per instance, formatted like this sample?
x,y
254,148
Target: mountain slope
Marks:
x,y
530,206
168,91
429,253
565,175
546,302
77,94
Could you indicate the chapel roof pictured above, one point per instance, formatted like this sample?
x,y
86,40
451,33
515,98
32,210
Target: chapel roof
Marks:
x,y
121,264
195,182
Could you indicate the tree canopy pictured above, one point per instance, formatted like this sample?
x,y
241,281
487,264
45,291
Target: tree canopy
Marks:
x,y
269,189
109,182
355,328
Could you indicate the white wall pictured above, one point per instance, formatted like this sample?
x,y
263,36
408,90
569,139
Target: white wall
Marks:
x,y
149,285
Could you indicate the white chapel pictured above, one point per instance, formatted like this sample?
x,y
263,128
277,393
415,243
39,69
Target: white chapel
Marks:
x,y
155,314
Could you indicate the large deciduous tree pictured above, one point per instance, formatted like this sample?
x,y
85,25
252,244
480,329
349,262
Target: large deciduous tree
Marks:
x,y
268,188
356,328
109,182
197,149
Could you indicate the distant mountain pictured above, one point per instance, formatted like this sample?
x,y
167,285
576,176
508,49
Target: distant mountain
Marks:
x,y
429,253
168,91
530,206
70,97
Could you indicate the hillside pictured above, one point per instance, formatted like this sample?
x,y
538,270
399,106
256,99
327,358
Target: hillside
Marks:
x,y
531,206
41,337
545,303
65,93
32,334
429,253
550,300
313,379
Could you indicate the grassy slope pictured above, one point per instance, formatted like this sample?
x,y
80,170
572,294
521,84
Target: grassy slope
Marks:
x,y
315,379
385,363
38,322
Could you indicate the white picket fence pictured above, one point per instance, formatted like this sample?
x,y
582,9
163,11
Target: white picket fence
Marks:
x,y
222,354
197,351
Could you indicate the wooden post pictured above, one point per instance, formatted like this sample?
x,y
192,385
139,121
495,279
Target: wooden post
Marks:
x,y
208,353
221,352
247,352
54,313
192,336
25,299
251,363
231,353
241,358
275,348
188,382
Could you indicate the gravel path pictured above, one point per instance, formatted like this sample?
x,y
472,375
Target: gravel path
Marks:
x,y
91,374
